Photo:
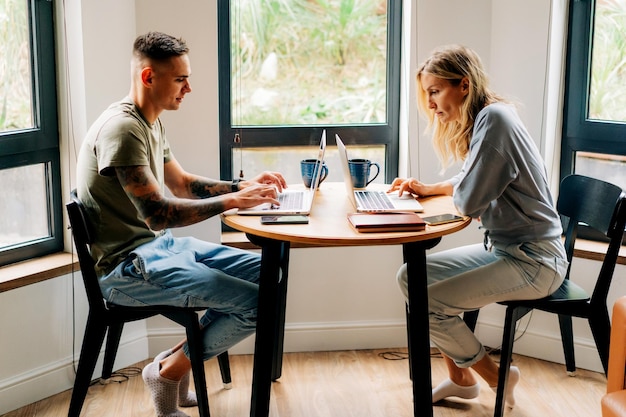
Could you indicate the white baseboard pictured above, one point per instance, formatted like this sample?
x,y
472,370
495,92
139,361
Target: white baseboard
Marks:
x,y
53,378
42,382
308,337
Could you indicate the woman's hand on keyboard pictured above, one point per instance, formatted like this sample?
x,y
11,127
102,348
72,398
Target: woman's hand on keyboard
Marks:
x,y
413,186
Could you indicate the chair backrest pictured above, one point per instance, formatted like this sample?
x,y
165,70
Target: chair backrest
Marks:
x,y
601,206
82,239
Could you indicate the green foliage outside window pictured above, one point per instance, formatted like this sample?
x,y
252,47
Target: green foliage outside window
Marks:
x,y
15,64
298,62
607,99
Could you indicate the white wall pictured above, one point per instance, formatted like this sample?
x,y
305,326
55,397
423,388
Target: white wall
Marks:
x,y
511,38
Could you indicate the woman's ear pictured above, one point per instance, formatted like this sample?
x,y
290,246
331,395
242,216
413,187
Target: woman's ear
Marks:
x,y
465,84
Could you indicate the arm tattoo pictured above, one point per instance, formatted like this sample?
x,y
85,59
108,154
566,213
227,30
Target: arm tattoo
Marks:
x,y
206,189
158,211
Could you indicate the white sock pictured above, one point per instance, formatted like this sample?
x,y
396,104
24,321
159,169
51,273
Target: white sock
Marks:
x,y
447,388
514,376
186,398
164,392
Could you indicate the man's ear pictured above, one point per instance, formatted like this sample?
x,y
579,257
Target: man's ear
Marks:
x,y
147,76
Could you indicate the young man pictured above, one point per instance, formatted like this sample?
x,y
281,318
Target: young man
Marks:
x,y
123,167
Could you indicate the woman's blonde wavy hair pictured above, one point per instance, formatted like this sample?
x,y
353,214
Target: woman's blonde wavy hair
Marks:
x,y
453,63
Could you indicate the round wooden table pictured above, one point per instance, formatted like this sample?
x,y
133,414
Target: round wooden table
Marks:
x,y
328,226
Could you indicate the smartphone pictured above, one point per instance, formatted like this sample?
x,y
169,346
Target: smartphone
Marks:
x,y
442,219
285,219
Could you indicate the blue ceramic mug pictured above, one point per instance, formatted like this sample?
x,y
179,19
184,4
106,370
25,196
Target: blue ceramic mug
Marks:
x,y
360,171
307,169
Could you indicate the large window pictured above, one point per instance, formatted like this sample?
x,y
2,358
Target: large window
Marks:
x,y
30,206
594,130
288,69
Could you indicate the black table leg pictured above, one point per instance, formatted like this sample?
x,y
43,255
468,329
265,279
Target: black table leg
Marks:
x,y
418,327
279,329
270,331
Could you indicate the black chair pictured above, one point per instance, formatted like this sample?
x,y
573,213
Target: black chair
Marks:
x,y
601,206
105,316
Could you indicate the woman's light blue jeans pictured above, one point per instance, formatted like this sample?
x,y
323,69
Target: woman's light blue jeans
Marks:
x,y
189,272
471,277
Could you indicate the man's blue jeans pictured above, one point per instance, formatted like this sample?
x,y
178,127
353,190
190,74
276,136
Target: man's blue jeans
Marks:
x,y
189,272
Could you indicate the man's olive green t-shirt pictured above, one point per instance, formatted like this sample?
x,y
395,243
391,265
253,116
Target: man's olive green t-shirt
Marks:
x,y
119,137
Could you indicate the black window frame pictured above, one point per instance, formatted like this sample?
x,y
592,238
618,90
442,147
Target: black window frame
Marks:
x,y
39,144
386,134
579,132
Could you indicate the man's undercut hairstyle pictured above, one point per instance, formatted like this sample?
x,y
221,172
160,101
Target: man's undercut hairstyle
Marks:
x,y
158,46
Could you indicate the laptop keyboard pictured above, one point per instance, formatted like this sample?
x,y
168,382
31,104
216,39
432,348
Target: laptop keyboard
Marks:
x,y
373,200
290,201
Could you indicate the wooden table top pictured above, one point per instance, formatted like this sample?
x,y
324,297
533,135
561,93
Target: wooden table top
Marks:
x,y
328,223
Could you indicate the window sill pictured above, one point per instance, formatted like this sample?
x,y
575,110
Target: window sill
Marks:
x,y
585,249
239,240
52,266
37,270
591,249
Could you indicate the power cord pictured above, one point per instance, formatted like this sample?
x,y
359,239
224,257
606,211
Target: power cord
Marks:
x,y
119,376
392,355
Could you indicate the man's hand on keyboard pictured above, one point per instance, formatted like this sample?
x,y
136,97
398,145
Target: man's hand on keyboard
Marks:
x,y
268,178
254,194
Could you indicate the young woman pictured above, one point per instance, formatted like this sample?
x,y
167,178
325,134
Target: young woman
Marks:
x,y
503,185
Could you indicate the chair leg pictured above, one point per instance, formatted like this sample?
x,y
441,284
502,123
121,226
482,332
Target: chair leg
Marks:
x,y
600,325
113,341
92,342
513,314
224,363
567,339
195,343
470,318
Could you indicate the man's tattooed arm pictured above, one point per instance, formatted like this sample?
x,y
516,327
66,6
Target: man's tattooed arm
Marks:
x,y
159,211
204,188
186,185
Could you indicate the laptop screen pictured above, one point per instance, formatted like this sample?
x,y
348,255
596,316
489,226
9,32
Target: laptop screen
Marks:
x,y
317,173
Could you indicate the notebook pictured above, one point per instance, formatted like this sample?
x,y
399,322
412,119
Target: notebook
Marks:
x,y
293,201
368,201
386,222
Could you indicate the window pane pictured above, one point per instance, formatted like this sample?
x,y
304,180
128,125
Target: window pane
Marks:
x,y
287,161
607,99
24,205
15,67
610,168
308,63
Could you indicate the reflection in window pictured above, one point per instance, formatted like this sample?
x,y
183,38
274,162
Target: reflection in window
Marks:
x,y
15,67
607,98
23,207
256,160
609,168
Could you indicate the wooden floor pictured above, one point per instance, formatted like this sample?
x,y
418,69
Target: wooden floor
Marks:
x,y
345,384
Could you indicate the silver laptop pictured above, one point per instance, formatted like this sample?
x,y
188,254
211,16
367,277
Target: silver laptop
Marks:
x,y
296,201
368,201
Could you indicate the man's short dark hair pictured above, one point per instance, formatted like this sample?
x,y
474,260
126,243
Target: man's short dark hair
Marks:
x,y
159,46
